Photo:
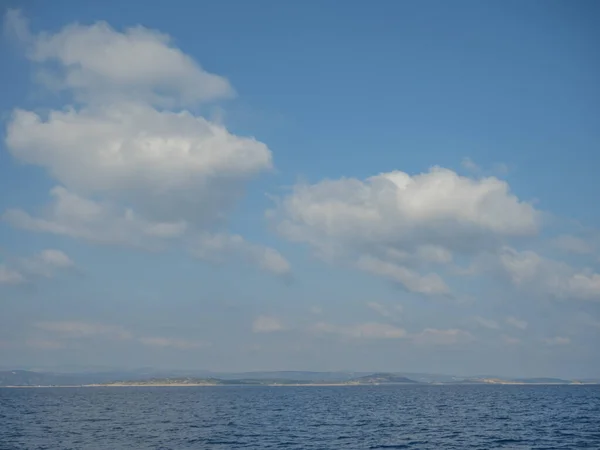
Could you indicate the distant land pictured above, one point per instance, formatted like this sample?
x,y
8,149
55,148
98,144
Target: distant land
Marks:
x,y
148,377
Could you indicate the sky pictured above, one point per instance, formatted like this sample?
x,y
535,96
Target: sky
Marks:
x,y
237,186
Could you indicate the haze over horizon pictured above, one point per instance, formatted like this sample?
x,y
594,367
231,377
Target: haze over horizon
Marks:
x,y
301,186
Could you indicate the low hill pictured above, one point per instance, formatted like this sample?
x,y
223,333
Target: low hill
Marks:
x,y
542,380
192,381
383,378
149,377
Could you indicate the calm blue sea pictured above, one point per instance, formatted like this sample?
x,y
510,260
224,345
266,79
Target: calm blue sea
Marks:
x,y
356,417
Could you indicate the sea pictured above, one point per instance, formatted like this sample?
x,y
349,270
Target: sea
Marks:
x,y
308,417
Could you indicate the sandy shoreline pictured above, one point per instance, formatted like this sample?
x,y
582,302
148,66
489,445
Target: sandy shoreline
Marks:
x,y
175,385
215,385
117,385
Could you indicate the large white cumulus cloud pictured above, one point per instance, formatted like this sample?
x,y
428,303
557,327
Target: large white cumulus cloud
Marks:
x,y
133,167
393,223
98,63
394,207
165,163
530,271
133,146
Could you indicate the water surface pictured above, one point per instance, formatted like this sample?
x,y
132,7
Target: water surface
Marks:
x,y
340,417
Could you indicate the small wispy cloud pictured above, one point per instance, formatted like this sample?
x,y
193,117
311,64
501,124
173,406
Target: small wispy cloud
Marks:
x,y
46,263
587,319
510,340
496,168
432,336
385,311
63,333
557,340
573,244
75,330
10,276
267,324
316,310
500,168
517,323
369,330
469,164
45,344
429,284
164,342
216,247
487,323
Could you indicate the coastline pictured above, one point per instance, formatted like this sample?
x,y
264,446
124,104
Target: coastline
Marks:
x,y
121,385
217,385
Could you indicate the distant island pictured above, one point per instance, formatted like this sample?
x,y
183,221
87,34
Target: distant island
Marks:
x,y
25,378
375,379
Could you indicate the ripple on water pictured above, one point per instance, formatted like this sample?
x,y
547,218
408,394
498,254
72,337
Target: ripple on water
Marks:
x,y
382,417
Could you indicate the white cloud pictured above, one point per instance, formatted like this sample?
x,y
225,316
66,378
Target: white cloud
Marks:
x,y
55,258
487,323
470,165
47,262
385,311
429,284
586,319
130,173
369,330
517,323
395,206
432,336
376,330
557,340
98,63
584,285
497,168
181,344
573,244
101,222
216,247
316,310
62,331
500,168
510,340
398,218
528,270
77,330
45,344
15,26
521,266
433,254
10,276
267,324
167,164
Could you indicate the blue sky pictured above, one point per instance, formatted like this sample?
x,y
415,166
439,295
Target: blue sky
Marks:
x,y
405,186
